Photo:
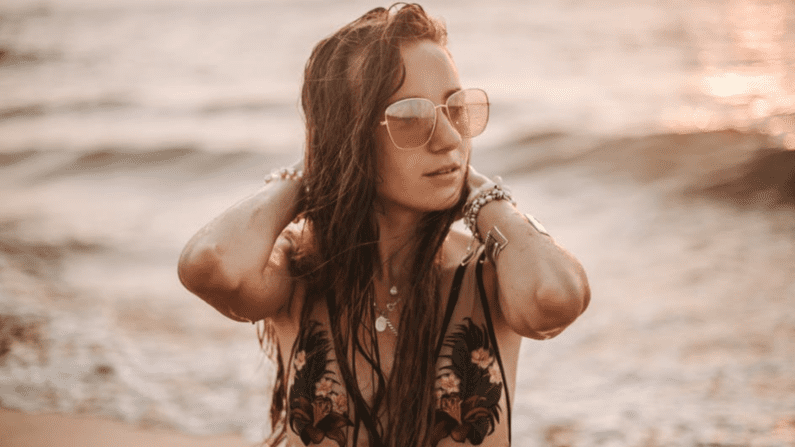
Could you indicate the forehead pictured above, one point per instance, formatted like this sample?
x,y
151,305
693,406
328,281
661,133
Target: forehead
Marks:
x,y
430,72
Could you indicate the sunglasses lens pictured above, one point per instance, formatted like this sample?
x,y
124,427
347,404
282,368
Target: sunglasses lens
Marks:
x,y
469,112
410,122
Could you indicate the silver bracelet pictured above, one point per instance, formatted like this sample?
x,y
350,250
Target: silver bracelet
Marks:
x,y
284,174
495,243
472,208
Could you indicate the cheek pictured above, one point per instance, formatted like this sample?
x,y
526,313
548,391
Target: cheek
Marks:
x,y
397,163
413,162
401,171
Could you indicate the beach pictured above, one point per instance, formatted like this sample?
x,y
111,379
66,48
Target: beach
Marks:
x,y
689,339
25,430
655,142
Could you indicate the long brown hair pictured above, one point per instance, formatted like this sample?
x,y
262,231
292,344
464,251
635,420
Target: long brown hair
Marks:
x,y
347,82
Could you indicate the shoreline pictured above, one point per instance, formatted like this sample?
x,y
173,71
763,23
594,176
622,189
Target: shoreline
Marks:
x,y
18,429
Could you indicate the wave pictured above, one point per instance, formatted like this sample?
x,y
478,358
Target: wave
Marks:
x,y
36,110
190,162
247,106
38,258
9,57
102,105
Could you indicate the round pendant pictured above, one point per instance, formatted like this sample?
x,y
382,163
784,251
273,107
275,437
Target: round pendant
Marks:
x,y
380,323
393,291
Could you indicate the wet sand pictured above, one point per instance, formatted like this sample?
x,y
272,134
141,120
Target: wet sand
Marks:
x,y
45,430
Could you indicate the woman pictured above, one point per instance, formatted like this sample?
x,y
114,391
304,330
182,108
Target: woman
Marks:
x,y
390,329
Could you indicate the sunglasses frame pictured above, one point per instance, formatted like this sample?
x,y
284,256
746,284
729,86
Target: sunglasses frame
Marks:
x,y
445,106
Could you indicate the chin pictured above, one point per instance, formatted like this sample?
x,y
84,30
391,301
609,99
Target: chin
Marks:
x,y
443,203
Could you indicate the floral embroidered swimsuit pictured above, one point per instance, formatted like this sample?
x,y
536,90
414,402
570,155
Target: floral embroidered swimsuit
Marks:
x,y
471,392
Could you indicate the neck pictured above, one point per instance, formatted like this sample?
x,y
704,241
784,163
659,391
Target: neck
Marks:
x,y
397,229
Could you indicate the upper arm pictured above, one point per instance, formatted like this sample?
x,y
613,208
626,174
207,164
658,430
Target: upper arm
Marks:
x,y
268,294
261,293
530,322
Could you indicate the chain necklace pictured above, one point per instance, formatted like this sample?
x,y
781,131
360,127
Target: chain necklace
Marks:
x,y
383,321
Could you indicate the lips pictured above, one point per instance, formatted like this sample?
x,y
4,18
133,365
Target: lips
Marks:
x,y
446,169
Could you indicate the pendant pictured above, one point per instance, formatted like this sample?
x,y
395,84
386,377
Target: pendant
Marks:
x,y
393,291
380,323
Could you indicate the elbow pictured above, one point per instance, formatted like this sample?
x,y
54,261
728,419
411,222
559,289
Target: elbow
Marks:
x,y
201,271
555,306
197,268
559,308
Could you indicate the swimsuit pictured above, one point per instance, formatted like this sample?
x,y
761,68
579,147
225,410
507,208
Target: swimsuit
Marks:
x,y
468,391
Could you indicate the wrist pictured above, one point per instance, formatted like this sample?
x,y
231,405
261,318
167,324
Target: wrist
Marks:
x,y
289,173
492,214
482,197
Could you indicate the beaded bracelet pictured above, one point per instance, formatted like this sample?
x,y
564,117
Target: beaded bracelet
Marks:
x,y
484,196
284,174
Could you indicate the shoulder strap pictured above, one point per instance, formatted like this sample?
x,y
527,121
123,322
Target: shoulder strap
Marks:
x,y
455,288
490,326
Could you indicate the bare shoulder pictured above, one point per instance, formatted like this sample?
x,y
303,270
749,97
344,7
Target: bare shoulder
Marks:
x,y
455,248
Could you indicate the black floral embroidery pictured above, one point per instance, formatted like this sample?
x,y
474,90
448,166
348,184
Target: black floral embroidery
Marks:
x,y
318,406
468,390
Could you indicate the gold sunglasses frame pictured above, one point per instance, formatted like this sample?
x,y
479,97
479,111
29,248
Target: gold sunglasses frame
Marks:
x,y
436,116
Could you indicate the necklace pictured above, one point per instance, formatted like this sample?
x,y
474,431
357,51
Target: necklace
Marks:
x,y
383,321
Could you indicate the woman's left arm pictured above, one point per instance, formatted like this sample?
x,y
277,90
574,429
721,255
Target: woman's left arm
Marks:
x,y
541,288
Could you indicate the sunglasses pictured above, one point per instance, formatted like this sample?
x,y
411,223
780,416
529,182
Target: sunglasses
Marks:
x,y
411,122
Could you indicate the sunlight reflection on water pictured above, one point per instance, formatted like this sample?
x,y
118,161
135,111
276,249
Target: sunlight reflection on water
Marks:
x,y
747,78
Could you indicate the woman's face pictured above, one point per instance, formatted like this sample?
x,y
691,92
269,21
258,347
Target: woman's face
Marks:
x,y
431,176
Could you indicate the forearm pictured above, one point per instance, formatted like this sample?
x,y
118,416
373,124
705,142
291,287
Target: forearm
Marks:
x,y
541,287
236,245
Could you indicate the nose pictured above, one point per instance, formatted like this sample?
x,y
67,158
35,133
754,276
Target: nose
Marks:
x,y
445,137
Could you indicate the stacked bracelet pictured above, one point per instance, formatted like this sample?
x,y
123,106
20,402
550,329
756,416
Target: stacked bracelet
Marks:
x,y
284,174
481,198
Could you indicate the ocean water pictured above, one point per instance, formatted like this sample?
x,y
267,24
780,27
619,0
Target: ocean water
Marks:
x,y
125,125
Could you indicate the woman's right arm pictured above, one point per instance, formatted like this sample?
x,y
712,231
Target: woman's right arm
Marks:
x,y
238,263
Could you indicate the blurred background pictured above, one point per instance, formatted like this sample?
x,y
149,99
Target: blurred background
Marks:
x,y
654,138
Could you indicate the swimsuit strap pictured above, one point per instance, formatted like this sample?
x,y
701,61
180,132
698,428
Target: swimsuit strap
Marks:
x,y
490,325
451,302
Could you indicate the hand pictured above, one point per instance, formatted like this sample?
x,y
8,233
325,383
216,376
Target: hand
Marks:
x,y
476,182
476,179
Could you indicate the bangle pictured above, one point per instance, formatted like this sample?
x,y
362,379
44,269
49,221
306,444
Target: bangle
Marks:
x,y
284,174
481,198
495,243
